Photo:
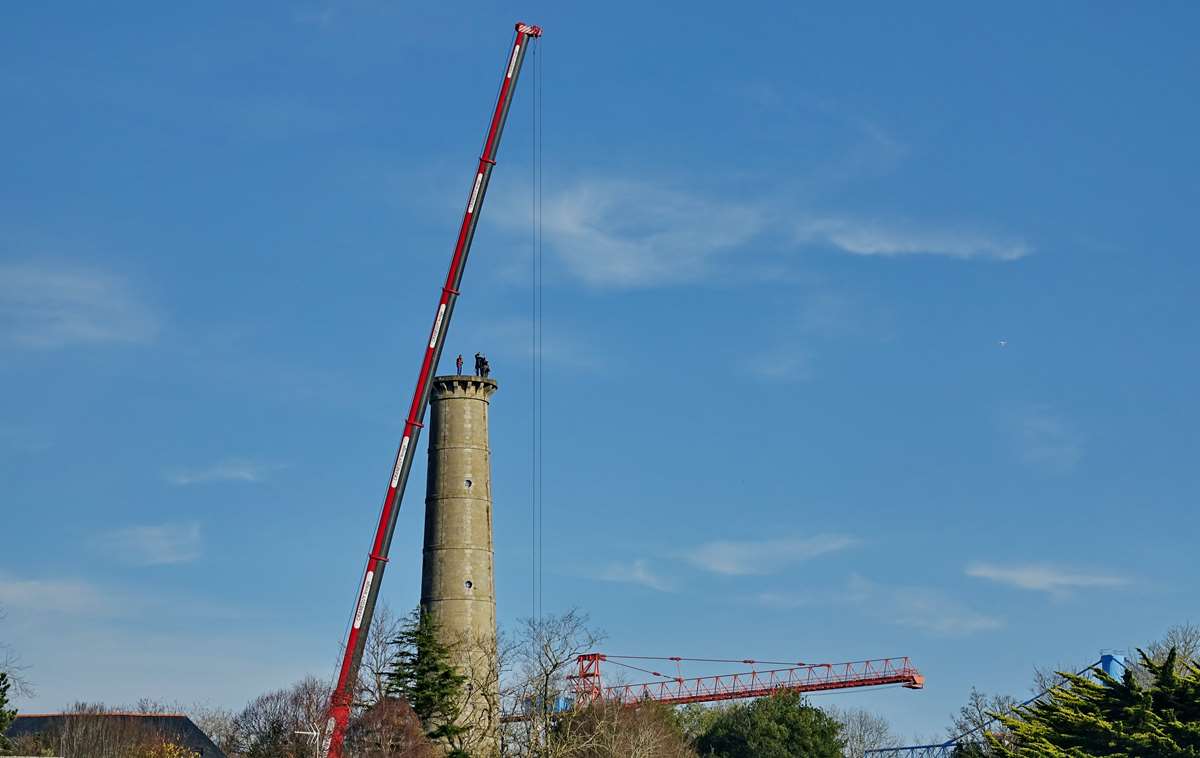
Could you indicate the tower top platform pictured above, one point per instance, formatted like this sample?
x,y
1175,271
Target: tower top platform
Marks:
x,y
462,385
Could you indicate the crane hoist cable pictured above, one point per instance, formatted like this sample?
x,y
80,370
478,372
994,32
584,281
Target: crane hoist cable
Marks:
x,y
541,351
537,350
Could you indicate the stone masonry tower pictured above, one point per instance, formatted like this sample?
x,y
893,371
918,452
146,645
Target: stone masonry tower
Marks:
x,y
457,587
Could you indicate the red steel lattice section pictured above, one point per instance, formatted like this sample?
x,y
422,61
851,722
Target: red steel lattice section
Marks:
x,y
803,678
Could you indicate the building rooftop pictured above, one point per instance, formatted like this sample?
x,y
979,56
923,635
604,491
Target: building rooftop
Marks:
x,y
173,727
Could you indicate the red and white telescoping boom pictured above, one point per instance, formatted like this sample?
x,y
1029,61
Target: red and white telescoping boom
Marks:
x,y
343,693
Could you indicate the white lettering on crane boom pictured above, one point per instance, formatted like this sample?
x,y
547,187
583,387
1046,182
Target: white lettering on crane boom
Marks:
x,y
330,725
513,63
437,326
362,600
399,462
475,192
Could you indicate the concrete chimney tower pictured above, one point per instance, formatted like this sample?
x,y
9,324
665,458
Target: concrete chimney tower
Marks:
x,y
457,585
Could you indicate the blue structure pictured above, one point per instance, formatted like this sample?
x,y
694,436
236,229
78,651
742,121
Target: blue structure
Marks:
x,y
561,704
945,750
1112,664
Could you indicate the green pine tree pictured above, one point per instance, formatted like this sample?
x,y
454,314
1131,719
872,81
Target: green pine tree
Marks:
x,y
423,674
1102,716
780,726
6,714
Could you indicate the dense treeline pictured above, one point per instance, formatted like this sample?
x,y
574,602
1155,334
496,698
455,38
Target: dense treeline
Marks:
x,y
412,703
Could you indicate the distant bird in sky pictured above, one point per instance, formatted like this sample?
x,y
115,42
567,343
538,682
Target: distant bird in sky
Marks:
x,y
1003,343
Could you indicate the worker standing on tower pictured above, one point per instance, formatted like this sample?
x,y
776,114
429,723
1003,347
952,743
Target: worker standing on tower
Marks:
x,y
458,364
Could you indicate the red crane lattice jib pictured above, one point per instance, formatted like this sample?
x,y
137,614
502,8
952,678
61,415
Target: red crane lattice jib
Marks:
x,y
806,678
364,609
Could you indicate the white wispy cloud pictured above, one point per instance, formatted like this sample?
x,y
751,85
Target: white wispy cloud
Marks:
x,y
1043,577
926,608
233,470
154,544
861,236
636,234
1046,440
635,572
782,364
50,306
612,233
787,600
623,233
51,595
760,557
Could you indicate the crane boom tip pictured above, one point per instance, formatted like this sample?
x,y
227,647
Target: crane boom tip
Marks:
x,y
530,29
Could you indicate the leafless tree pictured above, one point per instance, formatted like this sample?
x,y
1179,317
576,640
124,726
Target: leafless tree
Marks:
x,y
290,722
1184,639
10,663
265,718
92,730
483,660
862,730
152,707
216,722
975,718
921,738
616,730
377,656
1046,678
389,729
543,655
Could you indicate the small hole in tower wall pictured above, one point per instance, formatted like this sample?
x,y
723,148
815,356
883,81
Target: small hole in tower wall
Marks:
x,y
468,584
468,483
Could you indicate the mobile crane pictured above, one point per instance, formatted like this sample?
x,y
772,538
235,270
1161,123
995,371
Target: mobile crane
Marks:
x,y
343,693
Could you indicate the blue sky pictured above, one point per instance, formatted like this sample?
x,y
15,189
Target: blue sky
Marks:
x,y
782,248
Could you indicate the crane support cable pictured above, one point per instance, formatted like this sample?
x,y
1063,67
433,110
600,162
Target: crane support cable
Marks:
x,y
347,681
950,746
748,661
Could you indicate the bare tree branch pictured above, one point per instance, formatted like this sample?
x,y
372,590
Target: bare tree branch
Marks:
x,y
10,663
862,730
